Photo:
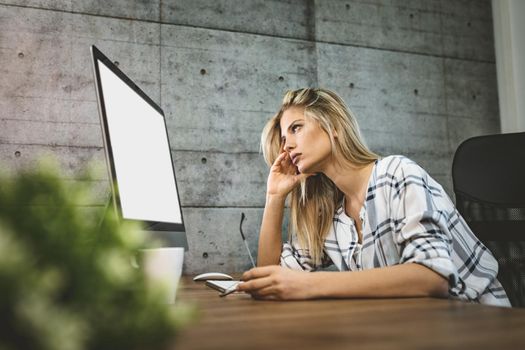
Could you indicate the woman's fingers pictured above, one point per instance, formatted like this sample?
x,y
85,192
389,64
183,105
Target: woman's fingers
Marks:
x,y
284,175
260,282
258,272
287,166
280,158
255,285
267,293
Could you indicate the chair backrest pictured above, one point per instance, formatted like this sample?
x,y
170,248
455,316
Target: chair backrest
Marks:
x,y
488,173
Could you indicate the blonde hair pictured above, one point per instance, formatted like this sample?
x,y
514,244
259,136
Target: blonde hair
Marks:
x,y
313,203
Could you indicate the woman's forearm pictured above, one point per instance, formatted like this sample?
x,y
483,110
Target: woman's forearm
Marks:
x,y
270,242
404,280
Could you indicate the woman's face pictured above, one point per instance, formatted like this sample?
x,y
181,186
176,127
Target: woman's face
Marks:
x,y
307,144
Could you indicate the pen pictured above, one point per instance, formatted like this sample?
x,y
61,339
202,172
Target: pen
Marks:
x,y
244,239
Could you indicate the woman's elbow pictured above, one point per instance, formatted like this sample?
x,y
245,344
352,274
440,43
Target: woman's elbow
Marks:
x,y
439,289
432,284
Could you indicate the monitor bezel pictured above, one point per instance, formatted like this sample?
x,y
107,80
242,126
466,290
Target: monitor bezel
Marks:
x,y
97,56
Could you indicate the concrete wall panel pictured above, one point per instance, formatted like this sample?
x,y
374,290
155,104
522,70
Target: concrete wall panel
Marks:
x,y
51,50
64,5
467,29
46,133
281,18
398,98
470,89
412,26
72,160
221,179
219,88
214,239
461,29
132,9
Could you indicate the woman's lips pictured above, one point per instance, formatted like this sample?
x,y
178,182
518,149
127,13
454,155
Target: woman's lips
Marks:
x,y
295,159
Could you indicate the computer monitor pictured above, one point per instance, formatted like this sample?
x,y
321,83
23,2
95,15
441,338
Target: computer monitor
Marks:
x,y
138,154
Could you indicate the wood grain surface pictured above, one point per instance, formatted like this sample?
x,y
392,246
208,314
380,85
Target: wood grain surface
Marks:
x,y
239,322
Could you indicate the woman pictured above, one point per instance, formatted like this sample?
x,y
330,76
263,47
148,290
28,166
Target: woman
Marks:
x,y
385,224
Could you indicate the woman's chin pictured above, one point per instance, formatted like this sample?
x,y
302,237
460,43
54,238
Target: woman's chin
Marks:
x,y
302,169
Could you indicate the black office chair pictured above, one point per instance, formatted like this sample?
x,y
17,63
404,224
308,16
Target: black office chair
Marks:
x,y
489,182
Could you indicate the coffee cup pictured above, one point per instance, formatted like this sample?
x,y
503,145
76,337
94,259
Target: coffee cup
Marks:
x,y
163,266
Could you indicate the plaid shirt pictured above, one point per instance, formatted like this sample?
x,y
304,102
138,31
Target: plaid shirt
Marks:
x,y
407,218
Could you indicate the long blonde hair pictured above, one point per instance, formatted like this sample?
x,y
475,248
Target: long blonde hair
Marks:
x,y
313,203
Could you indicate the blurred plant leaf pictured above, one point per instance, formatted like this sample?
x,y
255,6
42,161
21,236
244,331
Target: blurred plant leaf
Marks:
x,y
66,281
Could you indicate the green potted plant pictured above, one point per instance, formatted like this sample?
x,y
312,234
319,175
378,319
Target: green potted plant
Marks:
x,y
66,281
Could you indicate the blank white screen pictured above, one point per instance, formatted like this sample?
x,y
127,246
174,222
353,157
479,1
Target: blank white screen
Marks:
x,y
141,153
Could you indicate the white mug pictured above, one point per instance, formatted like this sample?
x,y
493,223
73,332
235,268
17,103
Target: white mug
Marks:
x,y
164,266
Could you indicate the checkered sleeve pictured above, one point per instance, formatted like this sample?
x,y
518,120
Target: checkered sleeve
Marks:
x,y
296,258
421,221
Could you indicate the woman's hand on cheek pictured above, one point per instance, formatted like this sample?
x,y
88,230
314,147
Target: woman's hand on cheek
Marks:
x,y
283,176
277,283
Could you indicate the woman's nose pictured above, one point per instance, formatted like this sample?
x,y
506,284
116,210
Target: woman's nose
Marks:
x,y
288,146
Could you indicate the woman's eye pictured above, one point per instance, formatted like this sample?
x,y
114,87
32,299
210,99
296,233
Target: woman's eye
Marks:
x,y
295,128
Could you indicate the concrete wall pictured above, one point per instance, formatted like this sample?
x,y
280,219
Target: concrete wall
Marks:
x,y
420,75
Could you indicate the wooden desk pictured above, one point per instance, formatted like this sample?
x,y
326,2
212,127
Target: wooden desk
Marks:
x,y
239,322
